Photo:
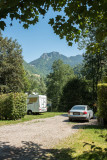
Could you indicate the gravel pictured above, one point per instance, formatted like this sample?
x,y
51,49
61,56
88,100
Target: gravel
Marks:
x,y
20,141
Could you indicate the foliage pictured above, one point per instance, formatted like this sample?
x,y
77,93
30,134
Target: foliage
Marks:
x,y
26,12
12,106
78,70
37,84
105,79
29,68
93,69
61,74
77,15
76,91
102,101
12,73
79,18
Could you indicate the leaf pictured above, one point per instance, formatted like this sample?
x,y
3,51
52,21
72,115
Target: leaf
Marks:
x,y
25,26
2,25
92,146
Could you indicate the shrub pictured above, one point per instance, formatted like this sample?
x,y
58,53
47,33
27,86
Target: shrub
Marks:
x,y
12,106
105,79
102,101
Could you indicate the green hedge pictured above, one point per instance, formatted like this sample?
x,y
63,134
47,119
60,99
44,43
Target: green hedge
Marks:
x,y
102,101
12,106
105,79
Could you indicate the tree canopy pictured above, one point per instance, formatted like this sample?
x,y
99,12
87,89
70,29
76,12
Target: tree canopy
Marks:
x,y
75,92
79,16
61,74
26,11
12,74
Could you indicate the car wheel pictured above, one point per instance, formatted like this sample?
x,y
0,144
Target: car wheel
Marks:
x,y
29,112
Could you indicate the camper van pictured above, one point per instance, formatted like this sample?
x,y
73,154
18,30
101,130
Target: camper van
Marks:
x,y
36,104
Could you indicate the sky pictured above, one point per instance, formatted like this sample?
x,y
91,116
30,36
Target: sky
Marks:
x,y
39,38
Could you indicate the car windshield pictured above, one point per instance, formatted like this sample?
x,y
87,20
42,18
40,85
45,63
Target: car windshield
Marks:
x,y
78,108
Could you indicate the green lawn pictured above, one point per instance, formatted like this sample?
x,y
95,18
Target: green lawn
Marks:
x,y
89,143
30,117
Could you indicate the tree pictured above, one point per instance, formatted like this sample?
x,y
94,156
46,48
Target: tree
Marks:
x,y
95,59
77,70
12,73
80,17
93,69
37,84
56,81
77,16
26,12
75,92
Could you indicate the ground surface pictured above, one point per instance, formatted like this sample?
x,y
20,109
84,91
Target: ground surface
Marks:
x,y
34,139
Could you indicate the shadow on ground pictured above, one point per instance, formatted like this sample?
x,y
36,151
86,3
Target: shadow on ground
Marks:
x,y
65,115
32,151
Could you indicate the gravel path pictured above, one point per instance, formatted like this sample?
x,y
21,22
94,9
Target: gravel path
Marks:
x,y
29,140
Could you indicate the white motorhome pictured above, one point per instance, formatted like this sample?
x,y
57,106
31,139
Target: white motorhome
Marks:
x,y
36,104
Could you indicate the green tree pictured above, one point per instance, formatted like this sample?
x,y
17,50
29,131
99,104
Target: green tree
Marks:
x,y
12,73
80,18
75,92
56,81
94,67
95,58
37,84
77,70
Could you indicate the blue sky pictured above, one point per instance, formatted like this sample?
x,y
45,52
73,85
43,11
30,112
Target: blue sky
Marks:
x,y
39,39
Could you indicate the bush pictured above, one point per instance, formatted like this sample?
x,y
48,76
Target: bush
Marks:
x,y
102,101
105,79
12,106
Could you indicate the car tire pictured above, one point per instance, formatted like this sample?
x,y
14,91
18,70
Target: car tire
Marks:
x,y
29,112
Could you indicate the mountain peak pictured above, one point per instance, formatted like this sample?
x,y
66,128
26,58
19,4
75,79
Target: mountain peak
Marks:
x,y
49,55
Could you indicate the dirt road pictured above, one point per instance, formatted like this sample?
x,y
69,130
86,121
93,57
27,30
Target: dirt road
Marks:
x,y
33,139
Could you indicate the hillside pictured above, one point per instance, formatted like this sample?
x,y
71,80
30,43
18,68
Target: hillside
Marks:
x,y
43,64
29,68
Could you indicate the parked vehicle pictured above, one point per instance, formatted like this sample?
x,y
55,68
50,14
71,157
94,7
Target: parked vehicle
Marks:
x,y
36,104
80,112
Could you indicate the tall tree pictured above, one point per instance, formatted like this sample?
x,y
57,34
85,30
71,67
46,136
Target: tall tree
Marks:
x,y
56,81
95,59
75,92
12,74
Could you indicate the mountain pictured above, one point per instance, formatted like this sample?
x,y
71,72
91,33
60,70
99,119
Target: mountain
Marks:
x,y
43,64
29,68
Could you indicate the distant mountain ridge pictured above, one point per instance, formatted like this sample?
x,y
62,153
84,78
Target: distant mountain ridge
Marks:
x,y
43,64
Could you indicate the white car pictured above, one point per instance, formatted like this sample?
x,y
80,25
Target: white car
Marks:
x,y
80,112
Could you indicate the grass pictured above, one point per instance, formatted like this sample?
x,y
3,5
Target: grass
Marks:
x,y
30,117
89,143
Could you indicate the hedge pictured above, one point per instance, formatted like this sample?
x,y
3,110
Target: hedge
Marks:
x,y
12,106
105,79
102,101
